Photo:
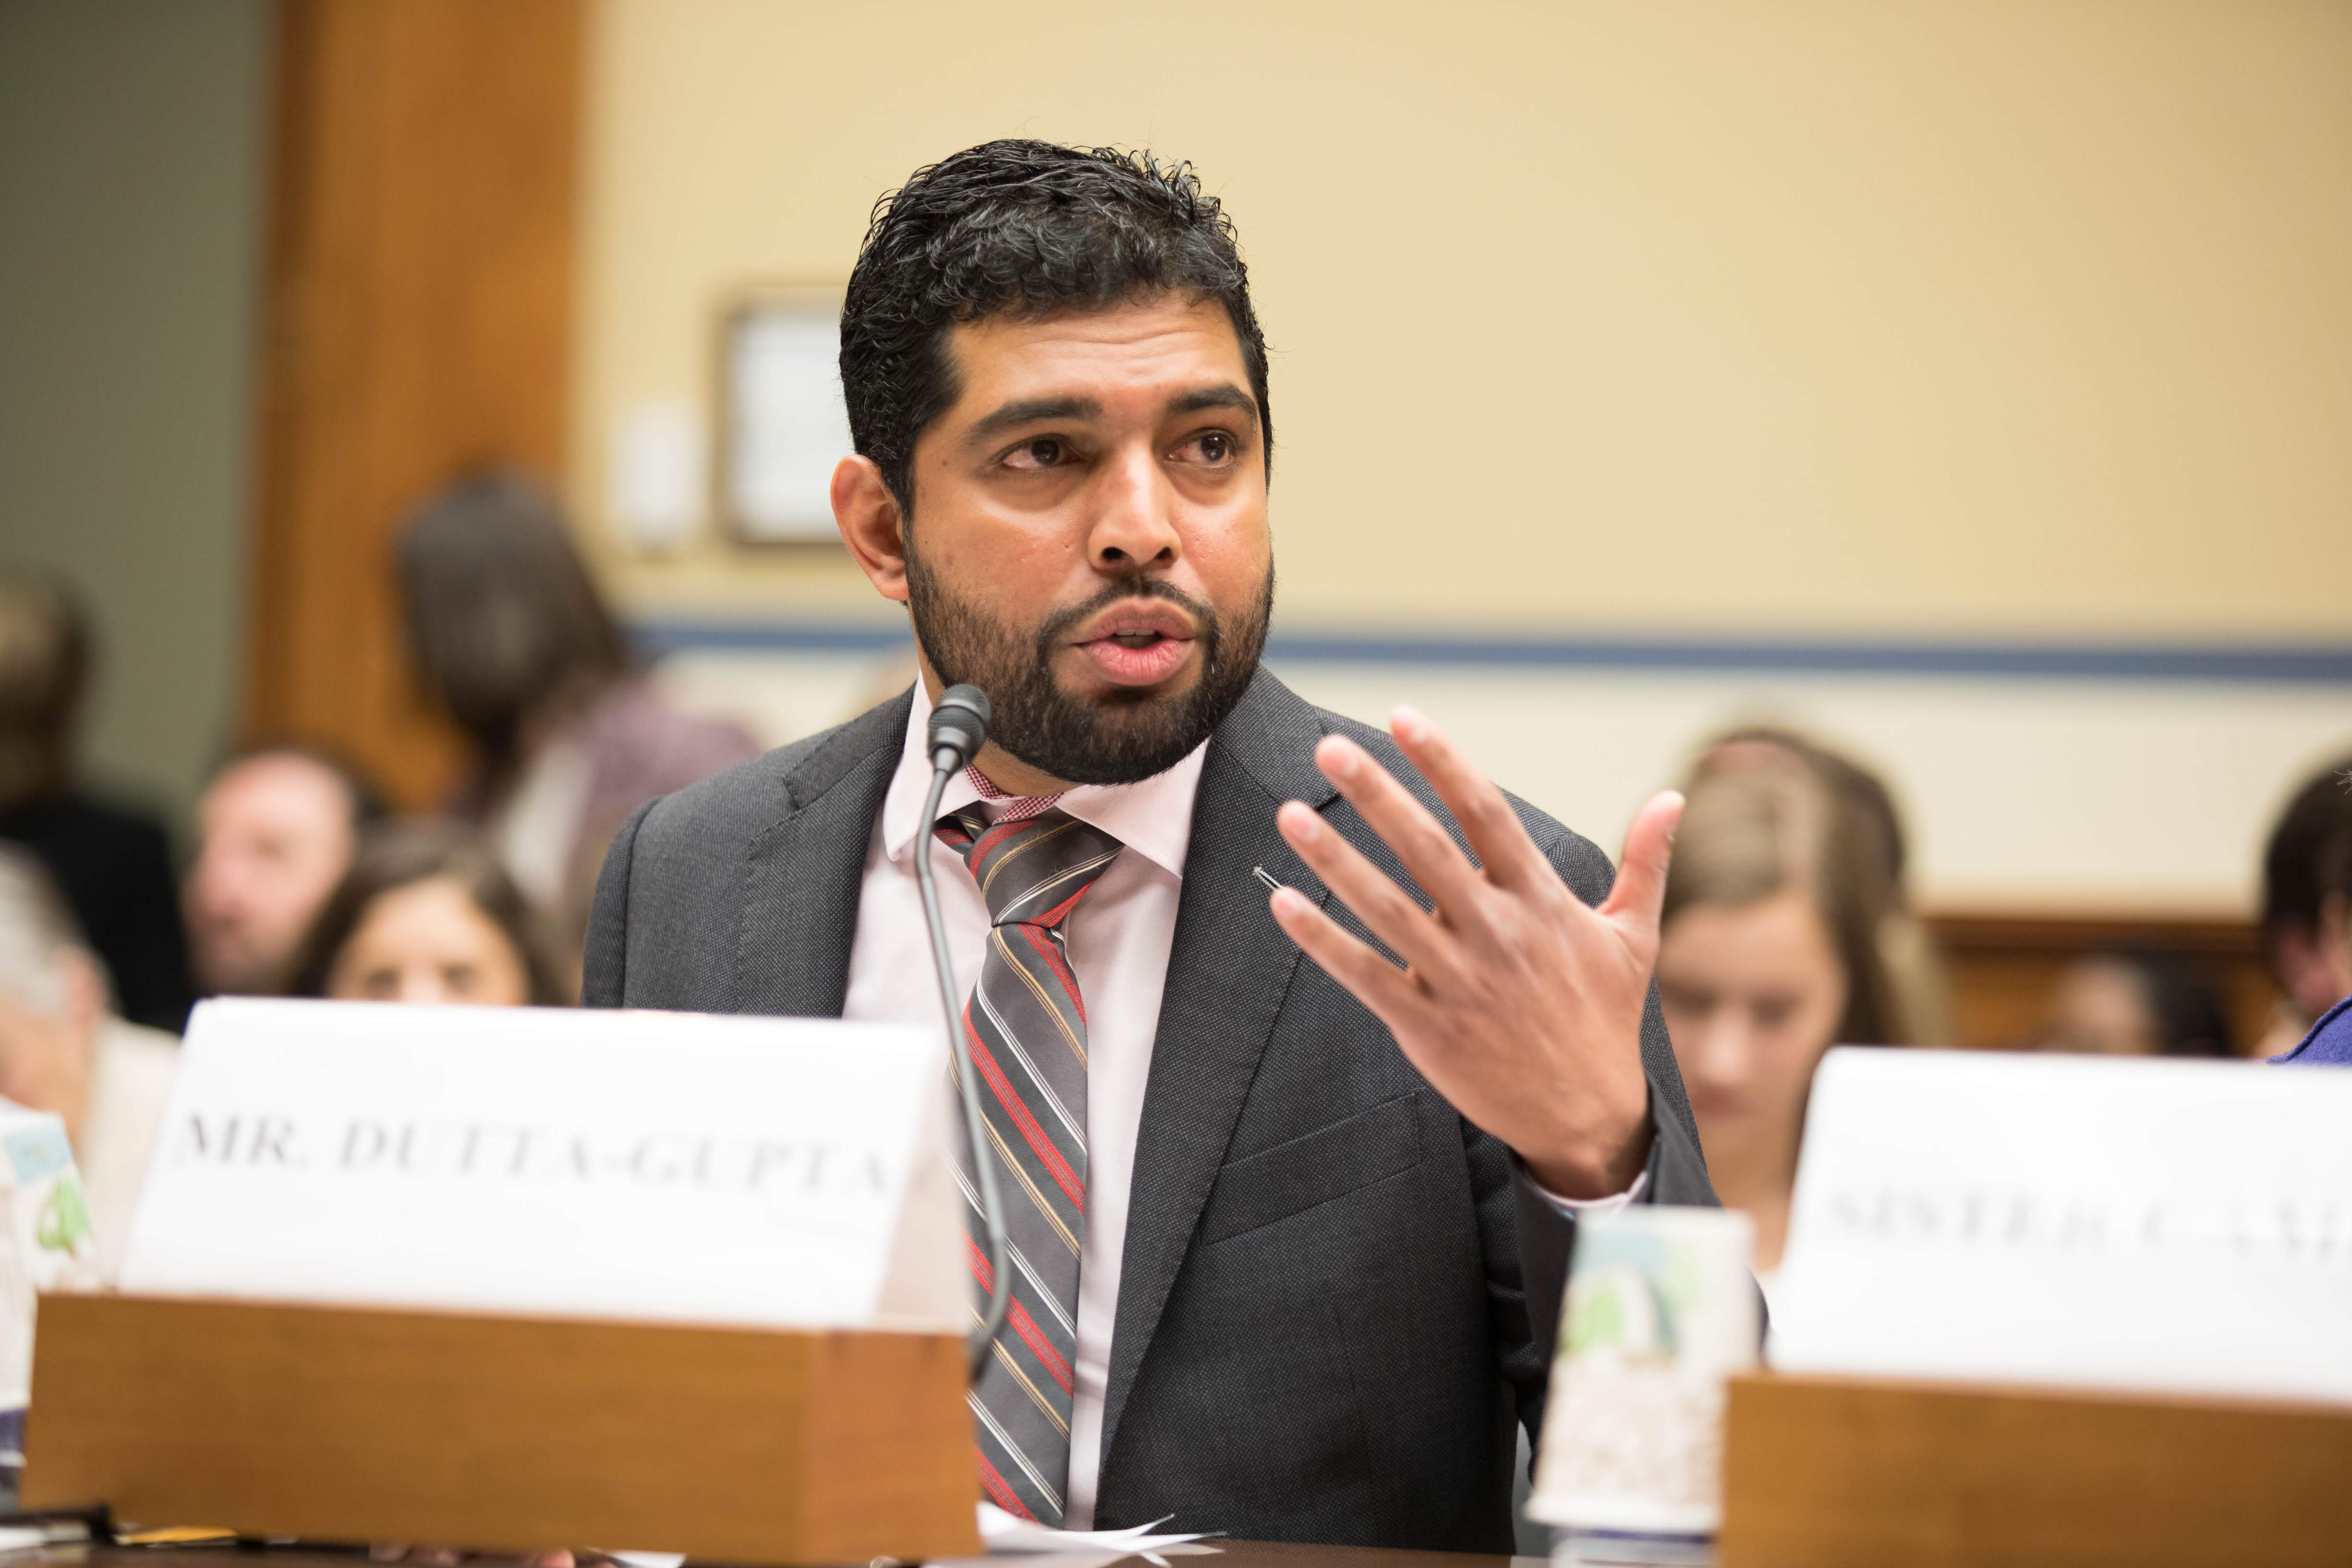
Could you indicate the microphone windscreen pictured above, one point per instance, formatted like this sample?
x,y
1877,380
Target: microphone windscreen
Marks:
x,y
960,722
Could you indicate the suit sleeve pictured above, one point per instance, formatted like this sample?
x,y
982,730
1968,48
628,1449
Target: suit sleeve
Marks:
x,y
603,972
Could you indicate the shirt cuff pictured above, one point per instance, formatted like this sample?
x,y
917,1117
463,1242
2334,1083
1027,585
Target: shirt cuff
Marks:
x,y
1586,1208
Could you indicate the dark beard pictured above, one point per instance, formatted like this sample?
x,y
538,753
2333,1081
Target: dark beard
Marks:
x,y
1124,736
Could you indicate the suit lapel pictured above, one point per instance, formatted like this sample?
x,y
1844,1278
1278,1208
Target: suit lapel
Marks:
x,y
804,872
1228,969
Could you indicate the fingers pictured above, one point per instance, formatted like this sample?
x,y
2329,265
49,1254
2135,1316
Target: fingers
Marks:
x,y
1430,856
1373,980
1640,893
1386,910
1495,833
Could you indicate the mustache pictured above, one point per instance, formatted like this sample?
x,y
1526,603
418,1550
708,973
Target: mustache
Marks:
x,y
1057,625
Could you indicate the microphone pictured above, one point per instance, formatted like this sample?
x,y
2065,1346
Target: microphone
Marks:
x,y
959,728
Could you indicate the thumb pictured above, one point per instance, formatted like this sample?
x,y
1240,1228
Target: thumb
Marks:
x,y
1640,893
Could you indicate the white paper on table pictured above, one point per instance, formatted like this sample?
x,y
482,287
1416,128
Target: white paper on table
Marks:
x,y
1078,1557
2151,1224
1004,1532
1007,1539
683,1167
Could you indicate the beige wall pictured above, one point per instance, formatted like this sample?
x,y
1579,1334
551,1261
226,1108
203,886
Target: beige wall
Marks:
x,y
2035,796
1810,316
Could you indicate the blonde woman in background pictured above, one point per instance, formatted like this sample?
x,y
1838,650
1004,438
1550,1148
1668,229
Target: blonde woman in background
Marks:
x,y
1784,934
1914,967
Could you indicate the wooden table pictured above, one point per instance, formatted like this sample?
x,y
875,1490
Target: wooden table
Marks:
x,y
1230,1554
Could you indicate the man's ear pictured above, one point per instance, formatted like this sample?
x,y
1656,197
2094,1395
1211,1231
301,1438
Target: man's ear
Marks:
x,y
871,525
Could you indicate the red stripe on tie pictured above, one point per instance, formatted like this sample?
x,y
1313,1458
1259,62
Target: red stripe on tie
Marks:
x,y
1045,951
991,839
1026,1327
1022,1324
1042,1146
998,1492
980,1268
1052,917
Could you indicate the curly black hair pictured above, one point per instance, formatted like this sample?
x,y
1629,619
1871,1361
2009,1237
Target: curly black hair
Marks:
x,y
1021,229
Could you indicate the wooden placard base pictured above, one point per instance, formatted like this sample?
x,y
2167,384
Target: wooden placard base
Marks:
x,y
1826,1472
503,1433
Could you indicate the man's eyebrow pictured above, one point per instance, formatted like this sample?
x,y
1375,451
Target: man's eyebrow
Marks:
x,y
1223,396
1029,411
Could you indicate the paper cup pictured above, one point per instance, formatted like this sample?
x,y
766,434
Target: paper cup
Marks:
x,y
1660,1312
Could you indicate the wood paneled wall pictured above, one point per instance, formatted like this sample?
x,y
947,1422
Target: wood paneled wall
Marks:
x,y
418,318
2004,969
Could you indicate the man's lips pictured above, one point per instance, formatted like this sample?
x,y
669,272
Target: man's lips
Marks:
x,y
1147,665
1138,645
1136,617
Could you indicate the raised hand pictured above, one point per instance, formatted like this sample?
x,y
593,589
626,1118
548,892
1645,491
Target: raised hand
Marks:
x,y
1522,1003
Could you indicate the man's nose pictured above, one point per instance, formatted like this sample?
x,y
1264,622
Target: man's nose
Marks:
x,y
216,890
1134,525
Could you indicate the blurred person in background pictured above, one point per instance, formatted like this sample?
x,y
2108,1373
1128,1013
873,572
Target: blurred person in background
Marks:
x,y
1913,965
61,1050
2329,1044
2329,1041
2134,1004
113,866
2307,932
1779,918
1769,745
512,637
427,913
276,830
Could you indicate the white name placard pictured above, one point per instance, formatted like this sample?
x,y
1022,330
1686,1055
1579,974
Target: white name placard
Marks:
x,y
2161,1225
617,1165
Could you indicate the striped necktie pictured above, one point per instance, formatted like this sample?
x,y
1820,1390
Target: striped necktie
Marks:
x,y
1026,1028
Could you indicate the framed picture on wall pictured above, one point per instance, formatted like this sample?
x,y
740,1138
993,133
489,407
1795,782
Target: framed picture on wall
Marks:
x,y
782,425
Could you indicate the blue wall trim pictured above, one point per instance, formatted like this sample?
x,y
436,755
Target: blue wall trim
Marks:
x,y
2307,664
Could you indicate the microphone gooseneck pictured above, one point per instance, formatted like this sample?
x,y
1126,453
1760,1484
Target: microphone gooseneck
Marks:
x,y
959,728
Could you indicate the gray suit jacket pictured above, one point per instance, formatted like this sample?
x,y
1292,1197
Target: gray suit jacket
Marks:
x,y
1338,1295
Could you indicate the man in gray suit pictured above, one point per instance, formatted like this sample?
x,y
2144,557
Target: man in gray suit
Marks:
x,y
1289,1238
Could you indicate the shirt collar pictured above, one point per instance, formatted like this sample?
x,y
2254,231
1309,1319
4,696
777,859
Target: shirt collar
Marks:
x,y
1153,816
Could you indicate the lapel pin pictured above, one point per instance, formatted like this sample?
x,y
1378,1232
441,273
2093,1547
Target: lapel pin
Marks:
x,y
1260,873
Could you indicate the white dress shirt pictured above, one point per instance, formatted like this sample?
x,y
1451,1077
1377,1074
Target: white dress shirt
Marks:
x,y
1118,939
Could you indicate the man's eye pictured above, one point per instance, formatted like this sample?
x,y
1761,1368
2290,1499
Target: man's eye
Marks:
x,y
1214,447
1044,452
